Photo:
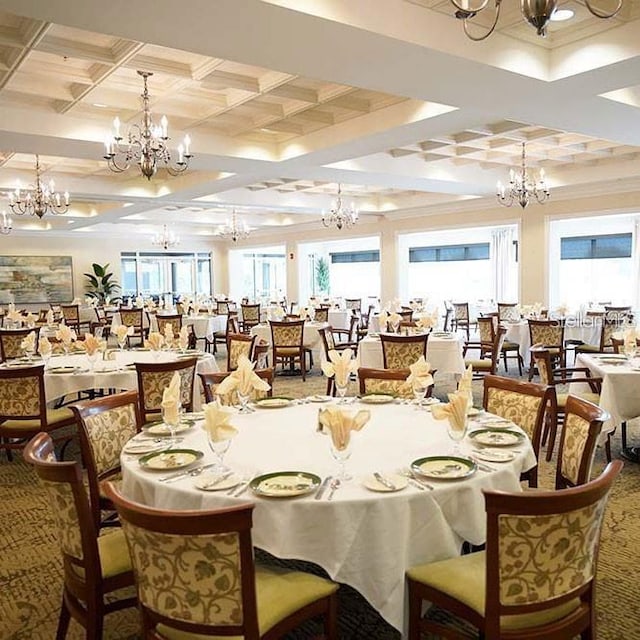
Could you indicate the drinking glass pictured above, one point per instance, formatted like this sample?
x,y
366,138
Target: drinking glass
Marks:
x,y
92,358
418,393
341,390
244,397
172,420
122,342
341,452
457,435
630,349
219,448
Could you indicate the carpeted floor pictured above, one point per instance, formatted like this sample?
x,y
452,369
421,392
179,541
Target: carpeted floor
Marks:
x,y
30,569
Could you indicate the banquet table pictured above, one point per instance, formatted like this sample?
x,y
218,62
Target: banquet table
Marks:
x,y
362,538
112,374
443,353
203,325
620,394
311,337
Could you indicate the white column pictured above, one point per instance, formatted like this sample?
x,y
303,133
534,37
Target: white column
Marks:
x,y
291,255
388,264
533,257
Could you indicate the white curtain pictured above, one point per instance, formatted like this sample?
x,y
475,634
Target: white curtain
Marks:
x,y
635,256
501,262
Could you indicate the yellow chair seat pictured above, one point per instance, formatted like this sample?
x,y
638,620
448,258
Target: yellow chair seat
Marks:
x,y
287,351
479,365
591,397
463,578
510,346
114,554
54,416
278,594
588,348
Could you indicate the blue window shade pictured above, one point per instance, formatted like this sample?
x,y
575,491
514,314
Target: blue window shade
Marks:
x,y
355,256
450,253
615,245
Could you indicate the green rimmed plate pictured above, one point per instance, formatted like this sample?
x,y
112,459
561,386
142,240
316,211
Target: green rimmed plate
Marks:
x,y
377,398
161,429
285,484
496,437
273,403
170,459
444,467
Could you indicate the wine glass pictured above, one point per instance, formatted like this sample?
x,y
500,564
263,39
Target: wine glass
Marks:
x,y
219,448
243,397
630,349
341,389
341,451
457,434
171,417
418,393
121,342
92,358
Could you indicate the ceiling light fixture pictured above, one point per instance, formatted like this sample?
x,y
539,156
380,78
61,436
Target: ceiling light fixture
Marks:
x,y
522,187
536,12
39,198
146,144
165,239
5,224
340,215
233,230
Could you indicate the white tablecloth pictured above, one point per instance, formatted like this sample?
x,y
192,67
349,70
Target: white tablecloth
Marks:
x,y
443,354
620,395
311,337
203,325
361,538
110,374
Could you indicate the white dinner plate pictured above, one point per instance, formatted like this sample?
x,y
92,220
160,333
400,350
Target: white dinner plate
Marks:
x,y
495,455
212,482
398,481
319,398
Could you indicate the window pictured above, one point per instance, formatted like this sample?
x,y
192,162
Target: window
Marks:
x,y
259,275
450,253
616,245
355,256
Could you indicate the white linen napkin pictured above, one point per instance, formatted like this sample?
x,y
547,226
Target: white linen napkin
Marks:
x,y
44,347
216,422
455,411
155,342
341,423
341,364
66,334
466,384
244,379
121,331
171,400
28,344
420,376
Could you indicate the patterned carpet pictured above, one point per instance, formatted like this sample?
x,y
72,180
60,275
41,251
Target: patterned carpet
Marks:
x,y
30,569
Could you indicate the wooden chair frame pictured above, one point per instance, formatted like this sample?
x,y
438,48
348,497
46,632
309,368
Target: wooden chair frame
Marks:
x,y
560,357
365,374
71,317
385,339
249,322
494,353
175,320
462,320
19,335
240,337
215,378
137,315
288,357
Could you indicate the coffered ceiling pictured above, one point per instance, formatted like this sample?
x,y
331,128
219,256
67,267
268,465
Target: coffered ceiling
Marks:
x,y
286,99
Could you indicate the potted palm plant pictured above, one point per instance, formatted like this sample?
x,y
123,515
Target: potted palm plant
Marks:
x,y
101,284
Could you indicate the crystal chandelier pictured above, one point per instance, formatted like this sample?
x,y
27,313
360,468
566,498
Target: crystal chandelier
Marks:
x,y
165,239
146,144
536,12
39,199
522,187
233,230
5,224
339,215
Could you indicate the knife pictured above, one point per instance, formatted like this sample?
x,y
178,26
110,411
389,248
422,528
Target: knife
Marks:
x,y
184,474
322,488
384,481
215,481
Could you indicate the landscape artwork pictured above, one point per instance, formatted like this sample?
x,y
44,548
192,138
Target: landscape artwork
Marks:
x,y
35,279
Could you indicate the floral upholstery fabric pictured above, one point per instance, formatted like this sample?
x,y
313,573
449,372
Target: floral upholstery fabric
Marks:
x,y
20,397
543,557
131,318
547,334
251,313
520,408
398,388
485,329
461,312
576,432
192,578
65,515
321,315
287,336
163,323
154,383
108,432
508,313
11,345
71,314
399,355
238,348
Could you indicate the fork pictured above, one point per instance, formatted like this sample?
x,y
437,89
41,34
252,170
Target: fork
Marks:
x,y
407,473
334,486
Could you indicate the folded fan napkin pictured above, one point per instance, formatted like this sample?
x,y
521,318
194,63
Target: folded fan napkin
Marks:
x,y
121,331
91,344
66,334
155,341
340,424
341,364
427,320
455,411
171,400
216,422
44,347
30,319
244,379
139,302
395,319
420,376
29,343
168,333
183,338
50,317
14,316
466,384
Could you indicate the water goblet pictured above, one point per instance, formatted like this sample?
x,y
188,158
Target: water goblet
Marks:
x,y
243,397
92,358
341,389
630,349
418,393
171,417
457,433
219,448
341,452
122,342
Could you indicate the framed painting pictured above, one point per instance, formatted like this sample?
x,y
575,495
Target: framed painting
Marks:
x,y
36,279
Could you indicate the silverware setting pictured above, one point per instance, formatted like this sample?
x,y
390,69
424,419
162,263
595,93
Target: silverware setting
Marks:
x,y
385,482
238,491
322,488
482,466
422,484
216,481
192,472
333,487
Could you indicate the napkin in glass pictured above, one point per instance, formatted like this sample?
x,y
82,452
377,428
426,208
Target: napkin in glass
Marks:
x,y
341,423
66,334
91,344
171,400
427,320
341,364
155,341
29,342
44,347
420,376
50,317
168,333
455,411
216,422
465,385
183,338
121,331
243,380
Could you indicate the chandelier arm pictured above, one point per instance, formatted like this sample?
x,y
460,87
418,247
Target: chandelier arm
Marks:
x,y
465,25
601,14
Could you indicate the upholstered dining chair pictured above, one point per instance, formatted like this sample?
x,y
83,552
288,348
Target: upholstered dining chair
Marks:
x,y
71,317
513,590
353,304
608,328
508,312
525,404
93,566
388,381
11,340
462,318
221,337
207,556
250,316
398,352
133,318
239,344
560,376
105,425
164,320
489,363
154,378
321,314
287,346
211,380
548,334
487,334
23,409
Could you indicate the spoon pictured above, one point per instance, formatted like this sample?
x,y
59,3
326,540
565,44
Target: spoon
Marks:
x,y
333,487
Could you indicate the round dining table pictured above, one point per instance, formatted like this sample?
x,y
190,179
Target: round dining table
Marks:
x,y
361,537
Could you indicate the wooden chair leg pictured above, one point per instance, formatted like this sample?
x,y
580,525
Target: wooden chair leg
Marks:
x,y
331,619
63,621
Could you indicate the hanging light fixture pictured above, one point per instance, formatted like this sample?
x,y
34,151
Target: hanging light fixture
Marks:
x,y
523,187
340,215
165,239
146,144
38,199
536,12
5,224
233,230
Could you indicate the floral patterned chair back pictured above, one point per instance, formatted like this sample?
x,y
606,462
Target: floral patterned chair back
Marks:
x,y
398,352
461,311
11,340
21,393
386,381
250,314
164,320
211,380
153,379
222,307
105,426
321,314
353,304
238,344
70,313
287,334
508,312
487,332
131,317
